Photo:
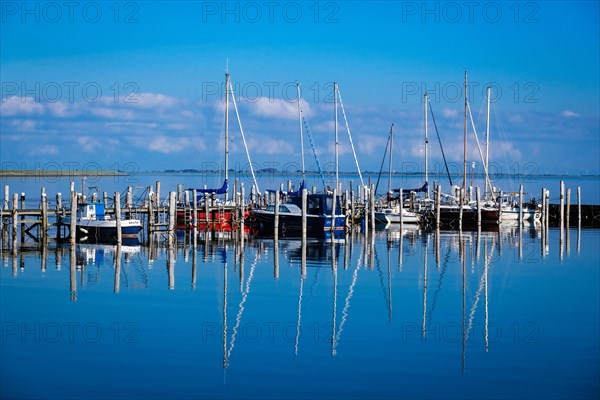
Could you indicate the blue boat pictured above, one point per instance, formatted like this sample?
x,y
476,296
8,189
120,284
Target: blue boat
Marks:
x,y
319,216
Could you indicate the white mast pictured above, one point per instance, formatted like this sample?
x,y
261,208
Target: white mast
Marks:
x,y
335,108
425,98
226,130
487,138
464,185
391,152
300,123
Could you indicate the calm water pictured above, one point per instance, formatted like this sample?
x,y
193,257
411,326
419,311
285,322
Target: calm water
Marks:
x,y
590,186
402,314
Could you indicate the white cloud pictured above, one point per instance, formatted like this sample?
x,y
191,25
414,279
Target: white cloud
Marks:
x,y
569,114
46,150
15,105
449,113
88,144
111,113
277,108
164,144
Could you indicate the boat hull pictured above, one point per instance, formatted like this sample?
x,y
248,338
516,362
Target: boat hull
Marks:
x,y
394,217
291,225
106,230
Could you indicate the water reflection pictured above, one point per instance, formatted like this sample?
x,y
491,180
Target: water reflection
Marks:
x,y
401,286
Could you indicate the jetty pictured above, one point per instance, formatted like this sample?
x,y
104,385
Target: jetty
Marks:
x,y
43,218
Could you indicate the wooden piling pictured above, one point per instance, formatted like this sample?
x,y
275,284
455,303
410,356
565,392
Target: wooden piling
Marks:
x,y
276,220
242,217
157,195
22,217
543,203
351,209
500,207
73,221
118,216
129,198
44,201
194,212
568,210
520,205
547,207
58,216
438,223
15,218
172,216
179,192
372,209
562,204
460,209
333,212
401,210
579,206
366,197
150,214
206,211
304,212
478,200
6,198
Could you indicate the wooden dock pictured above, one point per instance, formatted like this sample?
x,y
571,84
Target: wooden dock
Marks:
x,y
43,219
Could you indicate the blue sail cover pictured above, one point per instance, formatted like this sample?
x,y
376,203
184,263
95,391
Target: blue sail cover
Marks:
x,y
222,190
291,194
298,192
424,188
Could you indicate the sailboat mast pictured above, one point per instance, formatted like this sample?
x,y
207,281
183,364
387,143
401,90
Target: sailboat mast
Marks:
x,y
425,101
464,185
390,164
226,129
300,123
487,138
335,108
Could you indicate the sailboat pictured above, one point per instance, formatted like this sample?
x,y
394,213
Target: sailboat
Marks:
x,y
324,211
222,215
504,207
395,212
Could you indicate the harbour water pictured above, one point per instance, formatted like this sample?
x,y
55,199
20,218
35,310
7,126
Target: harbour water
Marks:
x,y
397,314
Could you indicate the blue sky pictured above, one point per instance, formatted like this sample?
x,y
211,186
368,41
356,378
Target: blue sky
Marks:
x,y
139,82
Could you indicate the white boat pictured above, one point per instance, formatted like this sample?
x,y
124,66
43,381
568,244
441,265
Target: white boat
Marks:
x,y
393,215
510,211
94,225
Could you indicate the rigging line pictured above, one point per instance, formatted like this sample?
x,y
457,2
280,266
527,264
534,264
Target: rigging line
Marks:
x,y
312,146
347,302
238,318
299,316
485,169
503,137
386,295
440,142
350,136
439,285
383,160
237,114
479,290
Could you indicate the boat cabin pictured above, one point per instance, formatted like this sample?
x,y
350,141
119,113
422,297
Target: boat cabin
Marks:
x,y
319,204
92,211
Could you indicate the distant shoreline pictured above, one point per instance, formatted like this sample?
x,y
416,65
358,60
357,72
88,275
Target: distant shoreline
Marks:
x,y
61,173
35,173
